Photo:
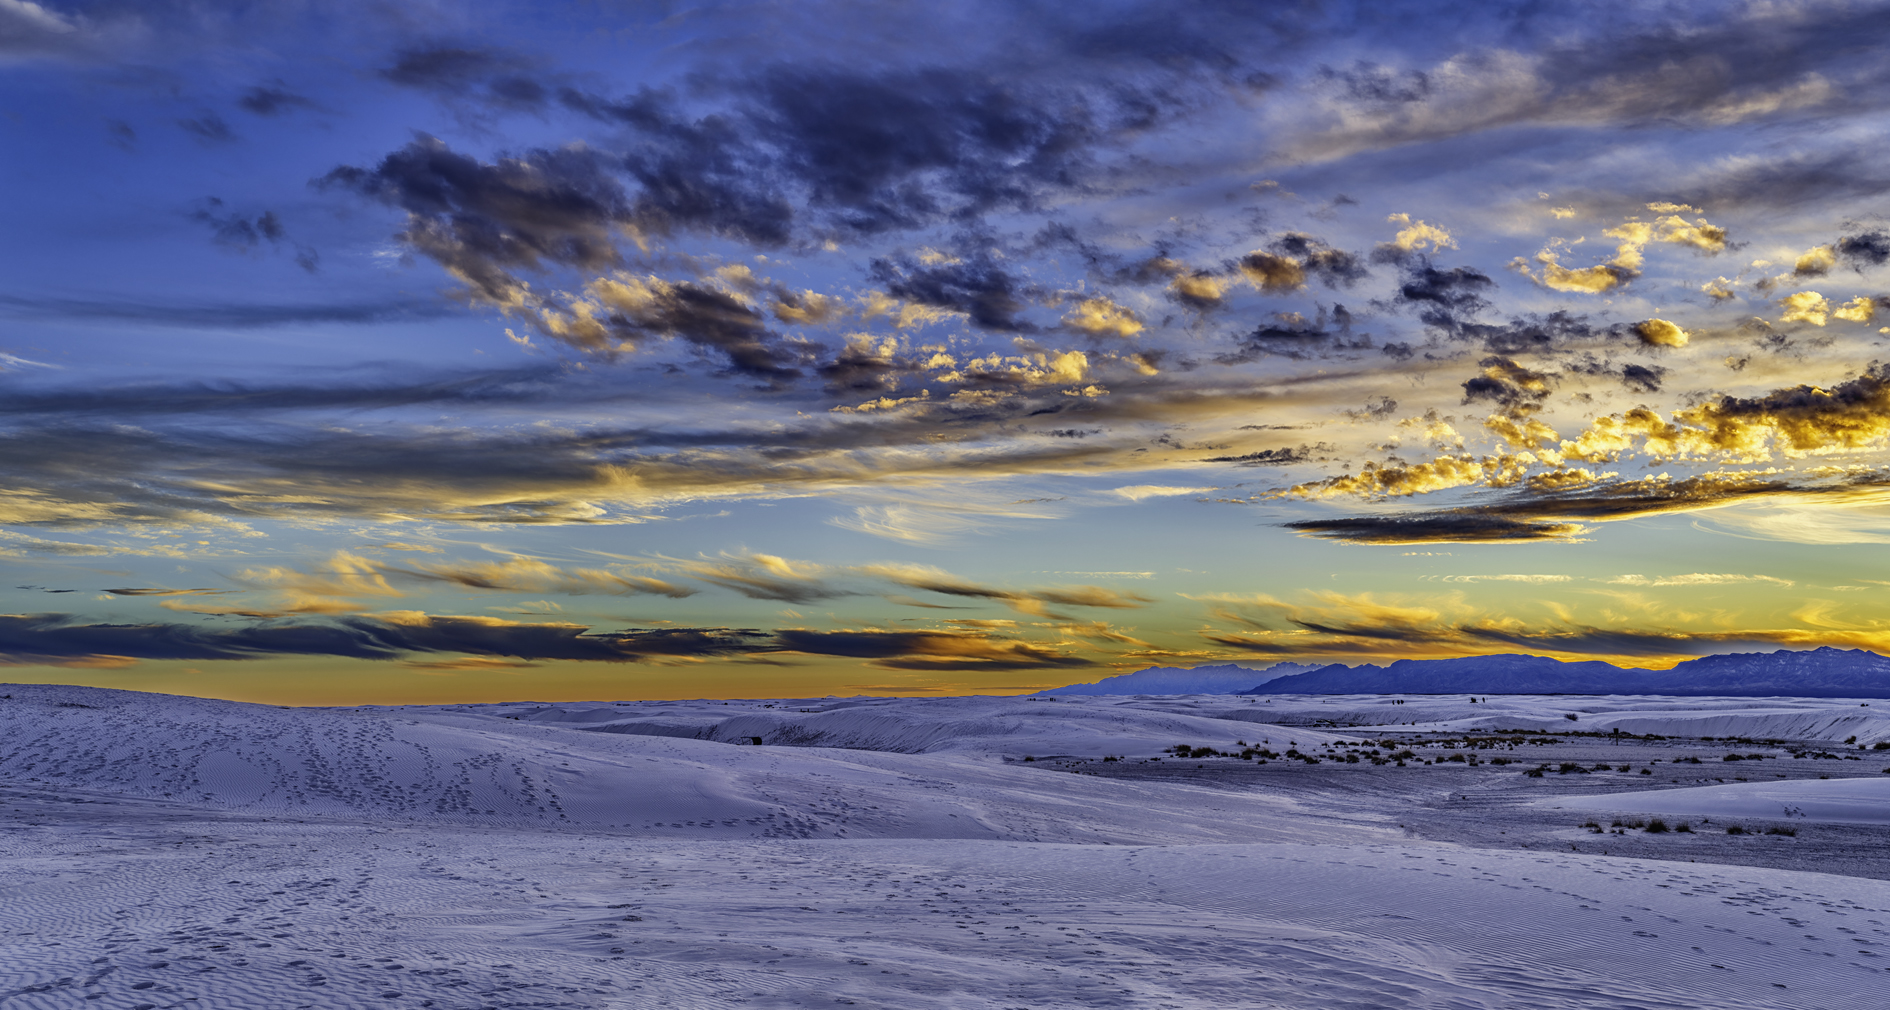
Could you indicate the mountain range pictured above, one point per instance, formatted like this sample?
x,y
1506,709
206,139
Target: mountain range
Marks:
x,y
1816,673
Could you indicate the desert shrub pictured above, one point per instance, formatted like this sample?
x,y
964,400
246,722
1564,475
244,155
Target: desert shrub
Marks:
x,y
1027,757
1850,739
1571,768
1499,761
1656,826
1647,771
1601,767
1735,830
1534,773
1623,768
1571,717
1455,757
1734,757
1684,828
1779,830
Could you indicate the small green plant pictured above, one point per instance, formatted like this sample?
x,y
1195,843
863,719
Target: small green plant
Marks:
x,y
1656,826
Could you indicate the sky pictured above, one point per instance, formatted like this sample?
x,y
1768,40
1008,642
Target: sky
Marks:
x,y
364,352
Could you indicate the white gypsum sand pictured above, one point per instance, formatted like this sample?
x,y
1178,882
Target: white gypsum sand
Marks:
x,y
163,852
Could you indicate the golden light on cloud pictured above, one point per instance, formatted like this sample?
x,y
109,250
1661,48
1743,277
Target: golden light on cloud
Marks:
x,y
1660,333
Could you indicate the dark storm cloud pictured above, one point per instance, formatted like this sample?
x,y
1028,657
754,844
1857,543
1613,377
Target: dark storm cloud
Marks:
x,y
975,285
1634,66
482,221
1548,512
1267,457
1334,267
862,369
1532,333
1642,378
460,75
713,321
1445,299
1291,335
1871,248
1434,528
1507,384
58,638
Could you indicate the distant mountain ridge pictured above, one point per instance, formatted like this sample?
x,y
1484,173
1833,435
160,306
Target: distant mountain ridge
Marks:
x,y
1818,673
1226,678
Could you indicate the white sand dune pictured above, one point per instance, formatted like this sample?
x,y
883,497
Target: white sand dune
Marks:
x,y
1847,801
164,852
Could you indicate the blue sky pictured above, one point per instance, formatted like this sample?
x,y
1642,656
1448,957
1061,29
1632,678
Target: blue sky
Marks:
x,y
364,352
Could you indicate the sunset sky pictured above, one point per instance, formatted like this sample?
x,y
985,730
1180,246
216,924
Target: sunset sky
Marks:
x,y
366,352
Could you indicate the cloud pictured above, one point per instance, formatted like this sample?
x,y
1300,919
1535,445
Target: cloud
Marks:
x,y
491,78
1555,510
1444,527
59,639
977,286
929,650
1532,579
530,575
1629,256
1390,480
1267,457
1141,492
223,315
208,128
1414,238
1445,299
1035,602
1103,317
1507,384
1867,249
764,577
483,222
273,100
1697,579
1660,333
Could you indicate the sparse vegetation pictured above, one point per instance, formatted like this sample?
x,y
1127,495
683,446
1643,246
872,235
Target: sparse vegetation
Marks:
x,y
1735,830
1778,829
1656,826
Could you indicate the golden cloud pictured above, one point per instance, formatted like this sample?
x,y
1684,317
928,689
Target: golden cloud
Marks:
x,y
1660,333
1103,317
